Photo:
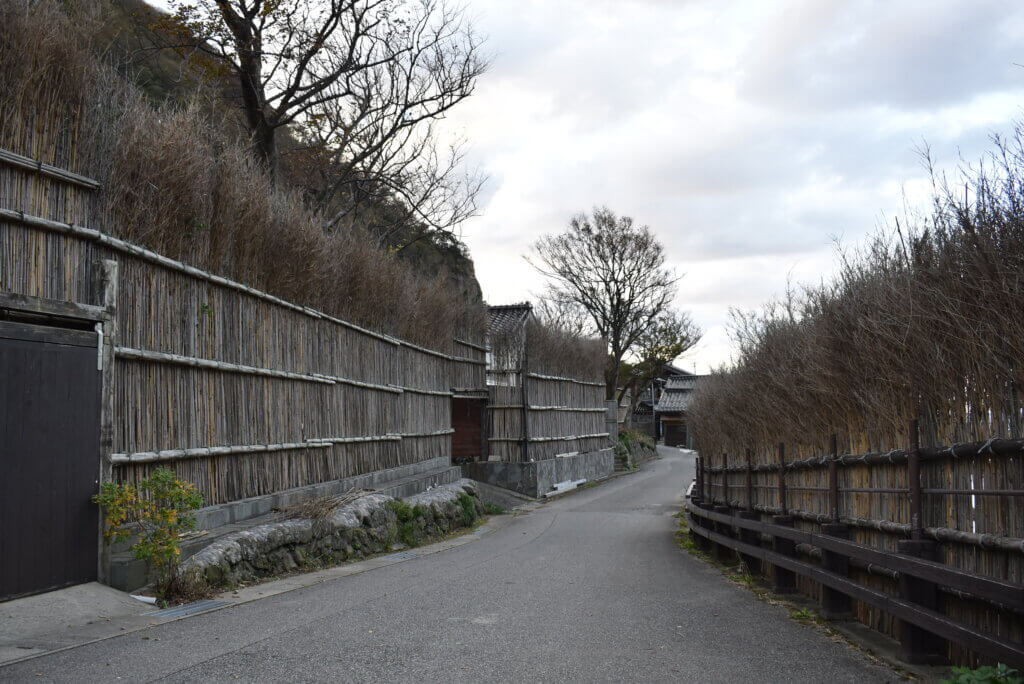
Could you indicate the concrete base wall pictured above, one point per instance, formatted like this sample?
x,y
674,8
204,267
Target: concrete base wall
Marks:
x,y
128,573
397,482
539,477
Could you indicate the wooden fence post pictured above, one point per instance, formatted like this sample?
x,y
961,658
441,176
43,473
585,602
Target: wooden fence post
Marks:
x,y
919,646
783,580
700,479
835,605
723,554
701,501
108,299
752,537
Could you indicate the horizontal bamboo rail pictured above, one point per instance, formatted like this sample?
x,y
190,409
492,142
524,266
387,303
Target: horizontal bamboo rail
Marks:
x,y
995,446
312,443
177,359
570,409
152,257
549,439
55,172
472,345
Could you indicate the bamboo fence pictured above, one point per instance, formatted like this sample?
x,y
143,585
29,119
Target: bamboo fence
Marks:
x,y
971,504
561,415
238,391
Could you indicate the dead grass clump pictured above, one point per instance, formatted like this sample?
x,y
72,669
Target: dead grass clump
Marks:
x,y
322,507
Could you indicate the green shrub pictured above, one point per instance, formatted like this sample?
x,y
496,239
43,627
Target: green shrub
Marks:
x,y
492,508
1000,674
158,509
403,511
468,515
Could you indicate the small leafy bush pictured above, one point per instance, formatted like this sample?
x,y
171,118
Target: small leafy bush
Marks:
x,y
158,511
408,531
633,439
493,508
1000,674
402,510
468,515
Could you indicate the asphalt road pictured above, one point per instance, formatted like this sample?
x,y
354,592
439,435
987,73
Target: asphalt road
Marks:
x,y
590,587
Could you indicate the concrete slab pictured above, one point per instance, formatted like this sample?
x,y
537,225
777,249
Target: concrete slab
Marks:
x,y
28,624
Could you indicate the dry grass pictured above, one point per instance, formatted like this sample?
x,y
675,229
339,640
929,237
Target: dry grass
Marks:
x,y
559,352
179,180
322,507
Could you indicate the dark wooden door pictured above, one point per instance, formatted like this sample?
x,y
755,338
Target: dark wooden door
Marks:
x,y
675,434
49,458
467,420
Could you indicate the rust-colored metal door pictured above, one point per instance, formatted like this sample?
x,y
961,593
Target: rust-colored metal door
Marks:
x,y
49,457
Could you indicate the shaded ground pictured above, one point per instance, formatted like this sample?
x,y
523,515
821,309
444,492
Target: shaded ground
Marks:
x,y
590,587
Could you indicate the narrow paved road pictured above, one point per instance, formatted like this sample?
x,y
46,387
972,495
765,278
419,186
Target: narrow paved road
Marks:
x,y
588,588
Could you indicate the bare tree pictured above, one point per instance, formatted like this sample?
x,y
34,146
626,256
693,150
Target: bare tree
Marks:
x,y
669,336
360,78
566,316
615,271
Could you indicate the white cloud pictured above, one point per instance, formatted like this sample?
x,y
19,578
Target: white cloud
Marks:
x,y
748,135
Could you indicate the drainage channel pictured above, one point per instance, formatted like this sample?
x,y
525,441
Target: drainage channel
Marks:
x,y
186,609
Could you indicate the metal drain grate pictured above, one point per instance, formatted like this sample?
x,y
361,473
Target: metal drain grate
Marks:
x,y
187,609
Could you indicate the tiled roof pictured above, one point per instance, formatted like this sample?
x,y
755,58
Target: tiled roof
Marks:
x,y
674,401
682,382
507,317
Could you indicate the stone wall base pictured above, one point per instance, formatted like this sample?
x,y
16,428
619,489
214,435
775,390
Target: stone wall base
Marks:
x,y
363,527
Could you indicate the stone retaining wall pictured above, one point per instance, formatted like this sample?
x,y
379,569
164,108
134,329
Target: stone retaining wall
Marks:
x,y
358,529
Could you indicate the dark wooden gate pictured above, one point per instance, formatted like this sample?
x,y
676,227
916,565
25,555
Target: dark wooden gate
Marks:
x,y
675,433
49,457
469,439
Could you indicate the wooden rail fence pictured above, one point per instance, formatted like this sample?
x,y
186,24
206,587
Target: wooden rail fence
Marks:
x,y
891,539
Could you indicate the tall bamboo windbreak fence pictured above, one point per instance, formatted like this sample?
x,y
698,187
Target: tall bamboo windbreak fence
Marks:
x,y
236,390
964,501
560,415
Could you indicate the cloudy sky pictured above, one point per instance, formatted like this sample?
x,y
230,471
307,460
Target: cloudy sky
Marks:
x,y
750,136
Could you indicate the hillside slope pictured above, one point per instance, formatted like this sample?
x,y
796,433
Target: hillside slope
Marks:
x,y
126,39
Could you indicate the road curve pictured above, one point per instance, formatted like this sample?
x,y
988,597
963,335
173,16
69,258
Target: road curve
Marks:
x,y
590,587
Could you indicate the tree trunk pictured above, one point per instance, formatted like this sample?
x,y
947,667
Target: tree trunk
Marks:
x,y
264,141
612,375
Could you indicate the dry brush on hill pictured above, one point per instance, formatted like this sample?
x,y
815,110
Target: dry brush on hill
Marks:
x,y
177,179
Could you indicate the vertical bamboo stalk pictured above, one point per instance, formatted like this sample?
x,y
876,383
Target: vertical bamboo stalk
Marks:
x,y
725,478
750,481
914,480
782,478
833,477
